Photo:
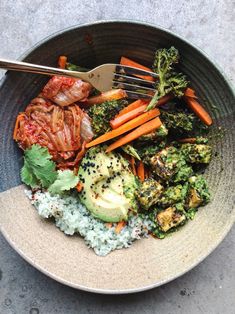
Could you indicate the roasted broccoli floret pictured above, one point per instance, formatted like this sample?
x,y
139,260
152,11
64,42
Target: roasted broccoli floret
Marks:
x,y
197,153
154,136
173,194
149,193
178,121
165,59
167,162
201,140
147,151
176,83
169,81
198,193
190,213
73,67
169,218
101,115
183,173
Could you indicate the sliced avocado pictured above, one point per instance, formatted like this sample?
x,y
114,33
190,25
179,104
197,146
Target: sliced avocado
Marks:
x,y
104,176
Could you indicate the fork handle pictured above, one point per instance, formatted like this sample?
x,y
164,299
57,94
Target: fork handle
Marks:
x,y
39,69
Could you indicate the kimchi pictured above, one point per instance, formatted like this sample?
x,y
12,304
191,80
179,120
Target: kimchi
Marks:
x,y
63,129
64,91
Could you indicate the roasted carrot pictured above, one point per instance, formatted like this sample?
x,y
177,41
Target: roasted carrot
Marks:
x,y
131,63
146,173
115,123
120,226
79,186
109,225
189,92
141,130
113,94
165,99
202,114
140,171
190,140
133,165
132,124
141,102
136,104
62,62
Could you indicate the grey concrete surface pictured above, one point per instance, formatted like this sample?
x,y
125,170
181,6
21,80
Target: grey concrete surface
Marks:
x,y
208,288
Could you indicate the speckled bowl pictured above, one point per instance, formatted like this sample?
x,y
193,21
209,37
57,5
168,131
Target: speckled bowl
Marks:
x,y
148,263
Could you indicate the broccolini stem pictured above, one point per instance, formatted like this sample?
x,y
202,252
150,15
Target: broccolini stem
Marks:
x,y
153,101
73,67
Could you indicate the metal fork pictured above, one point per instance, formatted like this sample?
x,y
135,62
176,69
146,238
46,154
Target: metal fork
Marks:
x,y
103,77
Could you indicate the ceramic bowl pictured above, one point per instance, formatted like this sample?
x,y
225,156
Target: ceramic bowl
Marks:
x,y
149,262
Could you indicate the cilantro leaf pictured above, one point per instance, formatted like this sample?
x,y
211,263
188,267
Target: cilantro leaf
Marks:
x,y
28,177
65,181
38,167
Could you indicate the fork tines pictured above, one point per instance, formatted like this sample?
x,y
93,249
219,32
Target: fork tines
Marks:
x,y
123,69
137,95
134,87
132,79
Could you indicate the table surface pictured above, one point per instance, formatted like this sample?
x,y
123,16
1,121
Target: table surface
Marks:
x,y
209,287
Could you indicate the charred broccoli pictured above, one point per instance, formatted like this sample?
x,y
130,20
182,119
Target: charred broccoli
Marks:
x,y
73,67
201,140
155,135
197,153
147,151
178,121
174,194
183,173
198,192
169,81
101,115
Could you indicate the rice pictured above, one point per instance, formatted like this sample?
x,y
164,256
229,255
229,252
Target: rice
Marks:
x,y
73,218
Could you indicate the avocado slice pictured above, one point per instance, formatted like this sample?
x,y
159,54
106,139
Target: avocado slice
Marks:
x,y
104,177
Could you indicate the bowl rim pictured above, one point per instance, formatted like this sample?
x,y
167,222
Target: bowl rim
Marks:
x,y
219,239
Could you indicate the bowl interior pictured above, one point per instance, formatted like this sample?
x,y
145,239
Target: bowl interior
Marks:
x,y
148,262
